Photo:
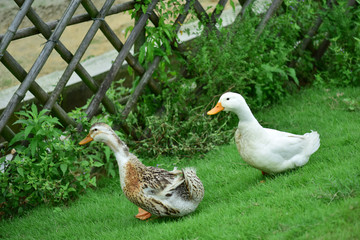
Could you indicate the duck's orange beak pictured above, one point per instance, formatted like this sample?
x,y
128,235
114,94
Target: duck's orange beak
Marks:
x,y
86,140
216,109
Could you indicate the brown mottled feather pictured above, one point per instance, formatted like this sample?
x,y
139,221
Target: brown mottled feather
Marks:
x,y
141,178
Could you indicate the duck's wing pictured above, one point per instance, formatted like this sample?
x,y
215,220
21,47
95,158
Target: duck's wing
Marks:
x,y
160,182
285,144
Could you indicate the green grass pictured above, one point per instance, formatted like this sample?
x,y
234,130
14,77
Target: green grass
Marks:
x,y
318,201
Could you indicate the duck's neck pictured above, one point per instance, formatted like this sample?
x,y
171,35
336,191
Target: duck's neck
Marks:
x,y
247,121
124,158
119,148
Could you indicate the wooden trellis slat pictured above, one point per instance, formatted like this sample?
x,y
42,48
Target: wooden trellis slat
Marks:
x,y
67,56
15,68
39,63
324,45
145,78
117,44
216,13
204,17
244,7
7,133
181,18
31,31
9,35
201,13
118,61
78,54
269,13
309,35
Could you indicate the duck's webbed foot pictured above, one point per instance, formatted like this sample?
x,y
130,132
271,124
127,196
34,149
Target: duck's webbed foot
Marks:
x,y
143,215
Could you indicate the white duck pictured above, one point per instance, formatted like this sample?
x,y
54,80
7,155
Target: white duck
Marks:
x,y
268,150
160,192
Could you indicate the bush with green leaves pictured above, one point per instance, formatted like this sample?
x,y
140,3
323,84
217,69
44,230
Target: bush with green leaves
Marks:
x,y
49,166
340,63
171,136
265,68
237,60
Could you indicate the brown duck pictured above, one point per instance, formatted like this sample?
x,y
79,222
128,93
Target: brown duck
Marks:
x,y
154,190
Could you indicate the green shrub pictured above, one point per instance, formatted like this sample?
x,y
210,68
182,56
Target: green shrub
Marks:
x,y
172,126
171,136
49,166
231,62
340,63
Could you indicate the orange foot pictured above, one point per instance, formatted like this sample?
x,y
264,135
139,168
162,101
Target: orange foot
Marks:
x,y
143,215
264,173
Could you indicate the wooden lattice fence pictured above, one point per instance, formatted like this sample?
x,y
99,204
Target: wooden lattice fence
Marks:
x,y
53,30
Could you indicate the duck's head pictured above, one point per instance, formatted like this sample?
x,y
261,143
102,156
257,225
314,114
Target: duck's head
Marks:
x,y
229,101
99,132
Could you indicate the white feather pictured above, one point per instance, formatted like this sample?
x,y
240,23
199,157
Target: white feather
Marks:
x,y
269,150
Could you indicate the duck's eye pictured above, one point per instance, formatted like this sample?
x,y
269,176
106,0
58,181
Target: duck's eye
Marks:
x,y
228,99
95,129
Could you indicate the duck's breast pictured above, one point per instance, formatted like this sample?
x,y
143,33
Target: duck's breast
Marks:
x,y
132,185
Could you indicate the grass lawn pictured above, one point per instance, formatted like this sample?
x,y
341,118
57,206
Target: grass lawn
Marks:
x,y
318,201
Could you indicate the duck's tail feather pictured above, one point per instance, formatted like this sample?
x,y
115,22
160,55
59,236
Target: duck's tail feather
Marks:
x,y
313,142
194,185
